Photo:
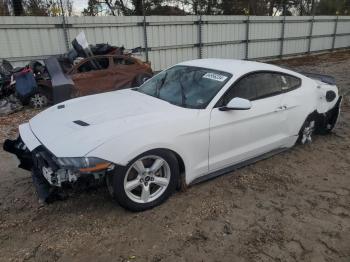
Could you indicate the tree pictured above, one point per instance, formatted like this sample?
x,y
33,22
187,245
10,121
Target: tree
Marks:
x,y
236,7
135,7
17,7
36,8
4,8
169,10
333,7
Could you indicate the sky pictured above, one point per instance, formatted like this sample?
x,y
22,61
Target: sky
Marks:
x,y
79,5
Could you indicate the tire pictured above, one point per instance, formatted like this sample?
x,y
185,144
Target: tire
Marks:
x,y
307,131
147,188
40,99
140,79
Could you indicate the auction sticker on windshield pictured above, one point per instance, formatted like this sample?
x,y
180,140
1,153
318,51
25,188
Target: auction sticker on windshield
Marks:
x,y
215,77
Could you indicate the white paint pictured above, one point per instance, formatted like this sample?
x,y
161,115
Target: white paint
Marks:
x,y
126,123
239,103
28,137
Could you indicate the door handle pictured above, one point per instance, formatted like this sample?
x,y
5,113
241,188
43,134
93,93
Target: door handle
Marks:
x,y
280,108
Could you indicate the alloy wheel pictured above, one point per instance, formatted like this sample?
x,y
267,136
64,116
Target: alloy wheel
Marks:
x,y
147,179
308,132
39,100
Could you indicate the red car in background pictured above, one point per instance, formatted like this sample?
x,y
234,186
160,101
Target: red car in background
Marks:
x,y
97,74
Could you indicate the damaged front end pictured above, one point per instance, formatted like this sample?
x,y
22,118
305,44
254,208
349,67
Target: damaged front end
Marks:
x,y
50,174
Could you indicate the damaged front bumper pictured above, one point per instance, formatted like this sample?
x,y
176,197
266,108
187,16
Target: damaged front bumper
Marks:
x,y
47,171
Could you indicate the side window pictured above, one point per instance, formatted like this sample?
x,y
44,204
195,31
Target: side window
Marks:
x,y
122,61
262,84
268,84
290,82
245,88
94,64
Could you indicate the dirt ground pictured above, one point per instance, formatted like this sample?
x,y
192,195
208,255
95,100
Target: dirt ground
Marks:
x,y
292,207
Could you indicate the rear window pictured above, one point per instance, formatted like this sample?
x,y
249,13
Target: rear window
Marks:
x,y
290,82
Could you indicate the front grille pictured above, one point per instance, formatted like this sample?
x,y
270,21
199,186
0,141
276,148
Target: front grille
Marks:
x,y
44,158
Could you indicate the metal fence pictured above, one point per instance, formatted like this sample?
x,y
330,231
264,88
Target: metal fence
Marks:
x,y
166,40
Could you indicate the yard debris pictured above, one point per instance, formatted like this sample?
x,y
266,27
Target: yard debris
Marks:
x,y
25,83
83,70
9,105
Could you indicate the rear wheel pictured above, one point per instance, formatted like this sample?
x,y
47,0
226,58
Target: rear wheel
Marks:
x,y
146,182
307,131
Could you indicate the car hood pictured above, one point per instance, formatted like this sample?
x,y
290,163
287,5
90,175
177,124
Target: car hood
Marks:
x,y
76,127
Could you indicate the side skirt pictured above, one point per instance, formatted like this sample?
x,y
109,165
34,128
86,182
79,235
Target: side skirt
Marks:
x,y
229,169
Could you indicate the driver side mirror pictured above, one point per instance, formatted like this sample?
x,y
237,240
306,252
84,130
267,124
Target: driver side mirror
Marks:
x,y
237,103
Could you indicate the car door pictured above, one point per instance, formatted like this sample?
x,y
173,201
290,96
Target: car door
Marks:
x,y
93,76
238,135
126,69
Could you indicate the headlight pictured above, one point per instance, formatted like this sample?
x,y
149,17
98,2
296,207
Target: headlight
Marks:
x,y
84,164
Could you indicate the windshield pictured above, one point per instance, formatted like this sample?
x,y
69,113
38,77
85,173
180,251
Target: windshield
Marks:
x,y
186,86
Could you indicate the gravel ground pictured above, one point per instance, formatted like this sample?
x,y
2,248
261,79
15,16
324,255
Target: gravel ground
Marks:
x,y
292,207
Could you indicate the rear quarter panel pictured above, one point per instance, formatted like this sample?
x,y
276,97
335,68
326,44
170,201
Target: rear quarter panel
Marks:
x,y
300,103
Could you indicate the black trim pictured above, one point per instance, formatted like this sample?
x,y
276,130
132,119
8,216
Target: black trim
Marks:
x,y
225,108
221,100
81,123
330,95
323,78
237,166
329,118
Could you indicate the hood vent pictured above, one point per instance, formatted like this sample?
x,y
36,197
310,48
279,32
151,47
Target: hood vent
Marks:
x,y
81,123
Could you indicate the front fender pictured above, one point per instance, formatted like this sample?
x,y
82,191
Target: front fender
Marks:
x,y
188,137
122,151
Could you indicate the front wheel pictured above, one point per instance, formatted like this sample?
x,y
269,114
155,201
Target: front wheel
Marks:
x,y
146,182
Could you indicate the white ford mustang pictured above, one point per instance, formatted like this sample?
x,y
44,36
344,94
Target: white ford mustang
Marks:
x,y
194,121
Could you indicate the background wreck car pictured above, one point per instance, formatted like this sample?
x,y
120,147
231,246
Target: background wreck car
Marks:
x,y
84,70
97,74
